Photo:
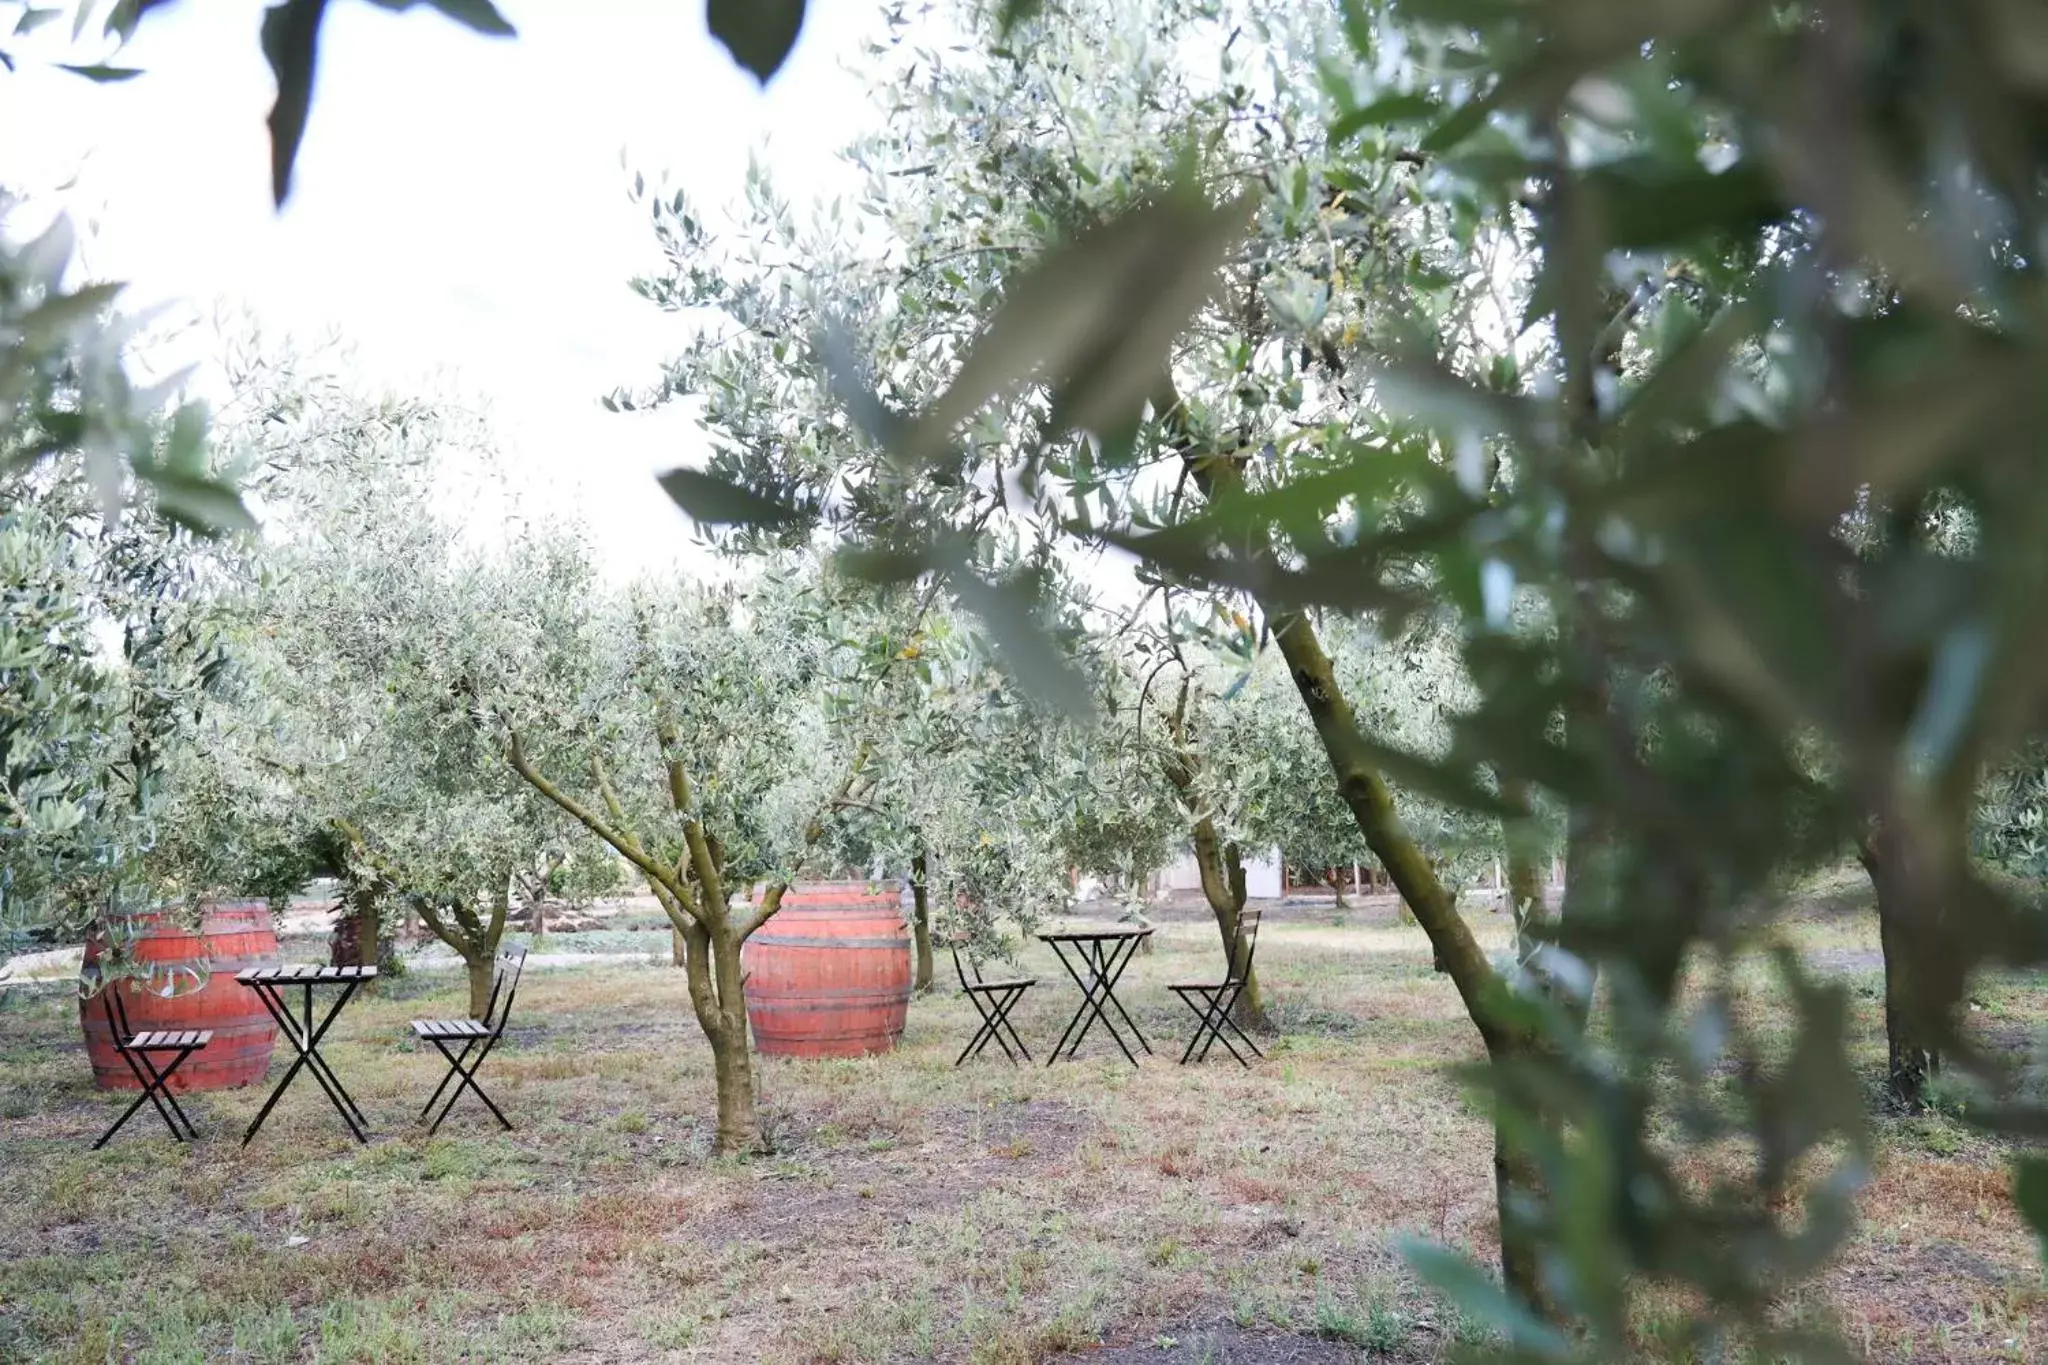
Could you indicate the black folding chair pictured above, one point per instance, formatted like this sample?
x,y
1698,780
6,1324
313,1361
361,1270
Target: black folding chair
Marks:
x,y
140,1051
475,1035
993,1000
1212,1001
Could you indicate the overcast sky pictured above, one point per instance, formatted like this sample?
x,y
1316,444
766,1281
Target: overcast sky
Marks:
x,y
459,209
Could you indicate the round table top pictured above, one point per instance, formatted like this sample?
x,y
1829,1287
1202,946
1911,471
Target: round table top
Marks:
x,y
1083,935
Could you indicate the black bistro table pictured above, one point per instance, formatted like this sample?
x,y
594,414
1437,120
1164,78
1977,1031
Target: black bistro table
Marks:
x,y
1097,958
270,984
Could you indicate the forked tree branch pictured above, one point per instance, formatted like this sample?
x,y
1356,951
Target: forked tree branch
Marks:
x,y
681,796
627,845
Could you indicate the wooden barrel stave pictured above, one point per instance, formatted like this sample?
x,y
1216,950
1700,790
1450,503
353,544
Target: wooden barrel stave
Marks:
x,y
232,936
829,975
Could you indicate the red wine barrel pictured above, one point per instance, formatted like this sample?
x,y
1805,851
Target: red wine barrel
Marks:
x,y
231,936
829,975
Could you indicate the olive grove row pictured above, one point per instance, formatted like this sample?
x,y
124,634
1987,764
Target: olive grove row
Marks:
x,y
437,707
1610,427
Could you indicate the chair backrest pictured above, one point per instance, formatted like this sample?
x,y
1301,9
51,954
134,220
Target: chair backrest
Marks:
x,y
117,1013
1247,943
504,985
962,967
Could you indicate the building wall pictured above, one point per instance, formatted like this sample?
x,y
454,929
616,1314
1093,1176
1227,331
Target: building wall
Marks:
x,y
1261,875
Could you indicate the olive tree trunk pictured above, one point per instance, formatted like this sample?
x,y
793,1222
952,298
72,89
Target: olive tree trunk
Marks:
x,y
1223,886
359,939
921,923
718,998
739,1119
1457,951
533,887
454,920
1910,1058
475,940
1371,802
1588,865
369,914
480,972
1218,862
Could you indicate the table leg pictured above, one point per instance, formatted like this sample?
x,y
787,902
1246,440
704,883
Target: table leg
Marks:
x,y
321,1070
1091,1008
1105,964
1069,1029
1091,1002
290,1028
1120,957
305,1041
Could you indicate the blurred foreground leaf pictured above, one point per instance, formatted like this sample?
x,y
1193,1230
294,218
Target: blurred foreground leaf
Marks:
x,y
291,44
1092,319
758,33
2030,1195
719,502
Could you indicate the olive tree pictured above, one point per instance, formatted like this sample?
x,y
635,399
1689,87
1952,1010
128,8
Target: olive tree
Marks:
x,y
984,811
380,628
995,799
115,649
67,823
1169,709
693,729
110,640
575,876
75,818
1124,820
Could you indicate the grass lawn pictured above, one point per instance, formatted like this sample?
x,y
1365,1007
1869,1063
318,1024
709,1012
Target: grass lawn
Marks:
x,y
910,1211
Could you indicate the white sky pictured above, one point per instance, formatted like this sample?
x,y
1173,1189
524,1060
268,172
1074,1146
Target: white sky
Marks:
x,y
458,213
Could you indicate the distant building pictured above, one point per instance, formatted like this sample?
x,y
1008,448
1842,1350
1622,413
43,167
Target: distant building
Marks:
x,y
1263,876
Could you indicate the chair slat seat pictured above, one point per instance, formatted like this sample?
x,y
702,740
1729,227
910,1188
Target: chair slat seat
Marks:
x,y
169,1041
1002,984
450,1028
